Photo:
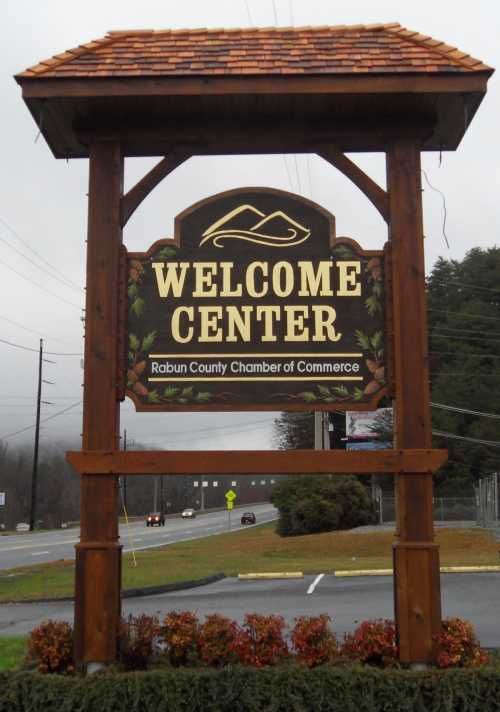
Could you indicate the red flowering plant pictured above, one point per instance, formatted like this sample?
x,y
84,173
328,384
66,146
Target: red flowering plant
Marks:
x,y
373,642
313,641
457,645
260,641
137,640
216,640
178,633
50,645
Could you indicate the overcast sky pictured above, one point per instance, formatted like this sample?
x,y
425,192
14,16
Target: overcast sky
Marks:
x,y
43,201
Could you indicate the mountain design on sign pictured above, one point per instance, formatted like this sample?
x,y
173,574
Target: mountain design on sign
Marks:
x,y
252,225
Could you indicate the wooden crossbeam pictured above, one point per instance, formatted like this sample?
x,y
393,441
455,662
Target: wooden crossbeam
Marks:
x,y
255,462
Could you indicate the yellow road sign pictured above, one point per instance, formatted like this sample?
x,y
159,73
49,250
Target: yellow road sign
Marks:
x,y
230,495
230,504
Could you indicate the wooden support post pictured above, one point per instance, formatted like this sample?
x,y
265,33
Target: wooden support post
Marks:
x,y
98,555
416,556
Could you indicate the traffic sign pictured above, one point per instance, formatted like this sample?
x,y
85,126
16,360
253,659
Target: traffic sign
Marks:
x,y
2,499
230,495
230,504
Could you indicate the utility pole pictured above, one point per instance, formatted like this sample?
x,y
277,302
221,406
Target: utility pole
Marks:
x,y
124,479
155,494
37,437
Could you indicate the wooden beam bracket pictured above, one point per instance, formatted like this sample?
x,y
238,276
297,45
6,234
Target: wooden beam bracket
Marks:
x,y
375,194
253,462
135,196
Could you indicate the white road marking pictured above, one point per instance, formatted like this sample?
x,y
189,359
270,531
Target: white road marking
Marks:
x,y
314,583
33,546
39,553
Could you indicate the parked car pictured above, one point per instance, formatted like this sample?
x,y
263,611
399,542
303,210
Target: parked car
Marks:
x,y
248,518
188,513
155,518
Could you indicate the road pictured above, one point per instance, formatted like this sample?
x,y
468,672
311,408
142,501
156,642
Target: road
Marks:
x,y
42,547
346,600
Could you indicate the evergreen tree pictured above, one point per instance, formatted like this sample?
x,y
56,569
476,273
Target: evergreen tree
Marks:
x,y
464,351
294,431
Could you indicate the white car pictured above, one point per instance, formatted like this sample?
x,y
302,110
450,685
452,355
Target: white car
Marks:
x,y
188,514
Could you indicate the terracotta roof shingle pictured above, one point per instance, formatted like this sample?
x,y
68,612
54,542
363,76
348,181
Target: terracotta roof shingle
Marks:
x,y
258,51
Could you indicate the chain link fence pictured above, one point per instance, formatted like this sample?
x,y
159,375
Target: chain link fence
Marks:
x,y
487,501
446,509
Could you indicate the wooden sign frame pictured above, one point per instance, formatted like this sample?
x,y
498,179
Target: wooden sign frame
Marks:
x,y
195,113
416,556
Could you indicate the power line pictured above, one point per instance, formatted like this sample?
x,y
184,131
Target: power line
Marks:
x,y
297,172
44,289
45,420
438,335
32,331
308,164
32,262
464,355
275,12
443,197
248,12
464,373
439,329
468,286
27,348
465,316
456,409
31,249
288,172
452,436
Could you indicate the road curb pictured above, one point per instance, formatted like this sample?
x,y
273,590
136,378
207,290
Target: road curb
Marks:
x,y
135,592
277,575
443,570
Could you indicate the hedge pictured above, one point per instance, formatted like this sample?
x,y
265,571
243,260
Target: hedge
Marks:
x,y
288,688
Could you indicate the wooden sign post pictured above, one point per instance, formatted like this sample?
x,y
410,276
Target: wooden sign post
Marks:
x,y
222,283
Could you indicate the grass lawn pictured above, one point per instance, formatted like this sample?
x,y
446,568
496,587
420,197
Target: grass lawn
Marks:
x,y
257,549
12,652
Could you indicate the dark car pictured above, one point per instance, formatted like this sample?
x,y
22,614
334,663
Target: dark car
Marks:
x,y
155,518
248,518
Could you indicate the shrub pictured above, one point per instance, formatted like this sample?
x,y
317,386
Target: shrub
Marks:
x,y
137,641
373,642
216,640
289,688
260,641
313,641
50,645
315,514
179,633
458,645
312,504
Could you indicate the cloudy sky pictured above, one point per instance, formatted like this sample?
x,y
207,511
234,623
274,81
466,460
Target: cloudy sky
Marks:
x,y
43,201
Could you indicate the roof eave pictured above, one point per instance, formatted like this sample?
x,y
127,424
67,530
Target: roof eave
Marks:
x,y
183,84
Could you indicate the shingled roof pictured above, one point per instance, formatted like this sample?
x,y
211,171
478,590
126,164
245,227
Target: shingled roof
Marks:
x,y
360,49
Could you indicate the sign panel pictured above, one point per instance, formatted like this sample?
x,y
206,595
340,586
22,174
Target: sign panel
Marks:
x,y
230,495
256,305
2,499
230,504
362,426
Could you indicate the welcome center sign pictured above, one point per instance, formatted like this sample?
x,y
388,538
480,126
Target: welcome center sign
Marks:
x,y
256,305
